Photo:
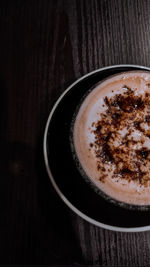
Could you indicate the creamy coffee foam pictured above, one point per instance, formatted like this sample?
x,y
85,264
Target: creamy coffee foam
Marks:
x,y
112,137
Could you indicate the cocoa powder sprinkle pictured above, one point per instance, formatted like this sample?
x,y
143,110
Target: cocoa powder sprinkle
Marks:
x,y
125,156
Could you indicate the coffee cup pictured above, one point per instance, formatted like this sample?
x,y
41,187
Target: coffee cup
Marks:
x,y
110,138
63,161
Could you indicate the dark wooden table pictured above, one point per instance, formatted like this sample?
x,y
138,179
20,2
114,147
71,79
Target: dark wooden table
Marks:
x,y
45,45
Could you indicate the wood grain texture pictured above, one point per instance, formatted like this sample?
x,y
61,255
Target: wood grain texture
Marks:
x,y
45,46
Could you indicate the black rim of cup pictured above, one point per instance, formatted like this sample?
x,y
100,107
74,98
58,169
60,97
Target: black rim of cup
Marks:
x,y
83,173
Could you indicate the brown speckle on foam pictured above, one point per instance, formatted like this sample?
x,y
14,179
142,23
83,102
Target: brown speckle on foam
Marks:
x,y
120,152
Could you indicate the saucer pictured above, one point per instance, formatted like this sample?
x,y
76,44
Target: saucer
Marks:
x,y
62,170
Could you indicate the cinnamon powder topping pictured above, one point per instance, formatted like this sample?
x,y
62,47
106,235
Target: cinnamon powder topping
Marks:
x,y
122,137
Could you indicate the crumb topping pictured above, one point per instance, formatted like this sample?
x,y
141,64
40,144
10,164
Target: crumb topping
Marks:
x,y
122,137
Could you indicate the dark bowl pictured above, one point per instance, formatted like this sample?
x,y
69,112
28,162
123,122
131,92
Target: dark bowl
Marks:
x,y
65,175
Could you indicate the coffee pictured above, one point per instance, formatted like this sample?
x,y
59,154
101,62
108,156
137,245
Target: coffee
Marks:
x,y
111,137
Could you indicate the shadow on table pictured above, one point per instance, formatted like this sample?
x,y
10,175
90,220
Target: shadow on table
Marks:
x,y
35,225
56,226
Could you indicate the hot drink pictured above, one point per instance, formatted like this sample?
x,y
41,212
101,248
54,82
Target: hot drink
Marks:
x,y
111,137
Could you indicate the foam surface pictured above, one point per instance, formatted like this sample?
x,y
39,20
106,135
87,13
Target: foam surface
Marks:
x,y
95,107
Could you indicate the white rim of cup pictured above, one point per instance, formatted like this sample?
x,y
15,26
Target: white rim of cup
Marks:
x,y
61,195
